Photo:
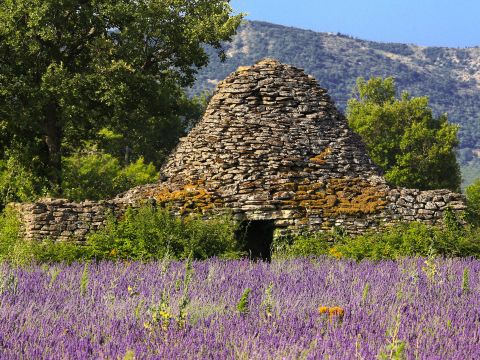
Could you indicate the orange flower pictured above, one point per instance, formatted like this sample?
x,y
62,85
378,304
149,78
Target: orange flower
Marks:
x,y
332,312
335,253
323,309
336,311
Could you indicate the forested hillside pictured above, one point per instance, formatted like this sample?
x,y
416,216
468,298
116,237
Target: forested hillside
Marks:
x,y
450,77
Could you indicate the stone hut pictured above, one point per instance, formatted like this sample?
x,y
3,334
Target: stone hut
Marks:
x,y
273,150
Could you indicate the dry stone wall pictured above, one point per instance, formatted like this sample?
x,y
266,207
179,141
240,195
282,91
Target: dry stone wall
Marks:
x,y
271,146
62,220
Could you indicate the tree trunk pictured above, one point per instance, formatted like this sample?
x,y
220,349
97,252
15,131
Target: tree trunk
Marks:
x,y
53,139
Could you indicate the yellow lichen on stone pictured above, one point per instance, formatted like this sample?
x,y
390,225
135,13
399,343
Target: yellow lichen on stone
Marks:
x,y
320,159
304,221
243,68
343,196
287,187
354,196
190,198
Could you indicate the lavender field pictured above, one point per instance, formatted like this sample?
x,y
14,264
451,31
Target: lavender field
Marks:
x,y
414,309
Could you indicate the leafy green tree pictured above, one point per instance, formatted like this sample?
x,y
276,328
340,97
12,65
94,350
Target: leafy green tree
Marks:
x,y
472,193
17,182
95,175
69,68
402,136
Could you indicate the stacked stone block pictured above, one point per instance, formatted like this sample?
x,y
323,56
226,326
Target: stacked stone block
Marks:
x,y
63,220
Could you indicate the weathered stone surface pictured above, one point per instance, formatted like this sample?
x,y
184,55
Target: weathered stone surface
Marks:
x,y
61,219
271,145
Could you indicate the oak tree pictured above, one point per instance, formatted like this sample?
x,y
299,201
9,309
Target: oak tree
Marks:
x,y
413,147
71,67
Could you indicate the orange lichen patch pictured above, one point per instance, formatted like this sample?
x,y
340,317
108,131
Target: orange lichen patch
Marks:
x,y
320,159
331,200
313,204
355,196
190,198
343,196
287,187
190,188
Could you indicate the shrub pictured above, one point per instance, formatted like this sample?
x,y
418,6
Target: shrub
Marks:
x,y
138,173
402,240
90,176
48,251
9,235
314,244
147,234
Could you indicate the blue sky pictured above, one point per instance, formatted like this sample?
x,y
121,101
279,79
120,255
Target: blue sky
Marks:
x,y
454,23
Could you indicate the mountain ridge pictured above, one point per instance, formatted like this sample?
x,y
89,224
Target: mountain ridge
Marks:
x,y
450,77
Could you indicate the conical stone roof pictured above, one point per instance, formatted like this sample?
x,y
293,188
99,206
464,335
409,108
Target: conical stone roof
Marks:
x,y
272,145
268,124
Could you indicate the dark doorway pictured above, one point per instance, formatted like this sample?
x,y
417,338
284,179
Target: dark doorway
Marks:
x,y
257,236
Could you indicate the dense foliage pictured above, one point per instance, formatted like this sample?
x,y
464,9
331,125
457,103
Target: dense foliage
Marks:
x,y
97,175
472,193
415,149
69,69
149,234
17,182
299,309
402,240
87,174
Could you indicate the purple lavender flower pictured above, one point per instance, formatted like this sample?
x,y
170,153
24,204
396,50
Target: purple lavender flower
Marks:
x,y
154,311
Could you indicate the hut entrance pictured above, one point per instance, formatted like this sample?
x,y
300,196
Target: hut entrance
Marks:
x,y
258,237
